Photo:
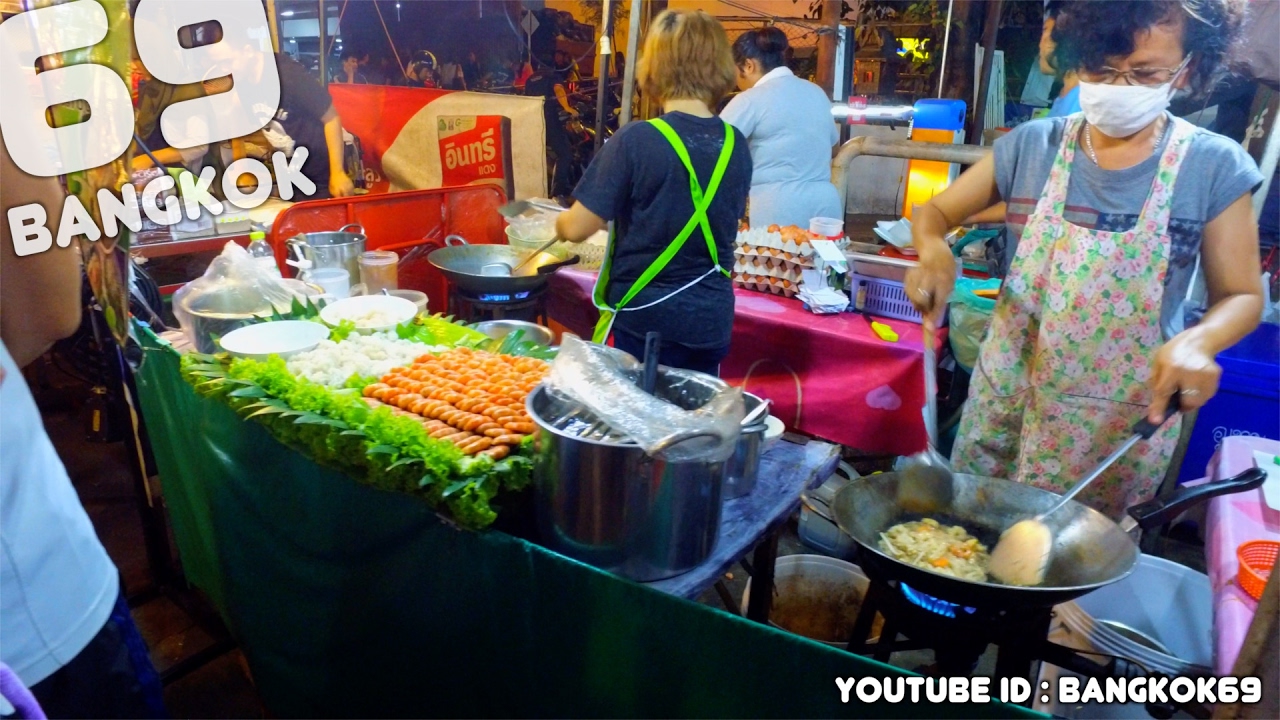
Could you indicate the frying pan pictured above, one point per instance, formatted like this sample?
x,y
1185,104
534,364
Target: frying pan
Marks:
x,y
462,264
1089,549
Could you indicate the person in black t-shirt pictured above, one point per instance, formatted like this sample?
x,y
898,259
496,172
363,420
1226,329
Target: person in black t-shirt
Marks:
x,y
305,116
349,72
545,82
640,181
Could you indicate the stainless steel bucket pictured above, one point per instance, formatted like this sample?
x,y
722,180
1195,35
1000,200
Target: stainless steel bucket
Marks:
x,y
744,466
340,249
610,505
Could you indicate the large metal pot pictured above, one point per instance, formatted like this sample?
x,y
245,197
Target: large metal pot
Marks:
x,y
610,505
744,466
211,314
340,249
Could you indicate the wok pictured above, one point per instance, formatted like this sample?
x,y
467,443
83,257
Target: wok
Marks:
x,y
462,264
1089,549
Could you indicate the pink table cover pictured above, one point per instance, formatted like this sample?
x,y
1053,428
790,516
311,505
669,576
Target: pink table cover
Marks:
x,y
1233,520
828,376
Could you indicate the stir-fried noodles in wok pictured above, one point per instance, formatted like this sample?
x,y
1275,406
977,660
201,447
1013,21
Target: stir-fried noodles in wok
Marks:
x,y
948,550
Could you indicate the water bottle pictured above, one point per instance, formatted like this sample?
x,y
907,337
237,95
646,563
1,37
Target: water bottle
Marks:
x,y
262,253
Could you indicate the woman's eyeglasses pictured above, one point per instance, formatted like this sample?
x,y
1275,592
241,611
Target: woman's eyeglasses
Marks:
x,y
1137,76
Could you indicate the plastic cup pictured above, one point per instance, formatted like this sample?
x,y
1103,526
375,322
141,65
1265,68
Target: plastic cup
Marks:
x,y
334,281
826,227
379,270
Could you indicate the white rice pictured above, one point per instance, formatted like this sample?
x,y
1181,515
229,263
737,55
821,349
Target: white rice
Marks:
x,y
332,364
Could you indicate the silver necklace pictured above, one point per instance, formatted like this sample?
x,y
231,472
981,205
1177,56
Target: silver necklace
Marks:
x,y
1088,141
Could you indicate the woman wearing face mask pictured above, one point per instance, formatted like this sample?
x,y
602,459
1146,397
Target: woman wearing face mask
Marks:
x,y
787,122
1111,209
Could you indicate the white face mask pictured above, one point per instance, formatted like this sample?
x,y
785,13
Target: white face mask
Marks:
x,y
1119,111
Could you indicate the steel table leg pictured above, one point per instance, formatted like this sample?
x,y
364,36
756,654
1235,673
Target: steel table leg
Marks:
x,y
762,560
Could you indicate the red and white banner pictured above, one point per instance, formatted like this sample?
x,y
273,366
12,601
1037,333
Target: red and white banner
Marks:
x,y
406,134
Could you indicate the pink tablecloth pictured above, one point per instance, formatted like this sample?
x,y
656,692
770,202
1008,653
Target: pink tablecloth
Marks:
x,y
828,375
1232,520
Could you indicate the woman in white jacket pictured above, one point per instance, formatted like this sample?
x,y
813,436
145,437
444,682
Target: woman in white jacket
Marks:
x,y
788,124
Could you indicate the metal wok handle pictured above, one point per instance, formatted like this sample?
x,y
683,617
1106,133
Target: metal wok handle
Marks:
x,y
359,228
812,505
448,241
1155,513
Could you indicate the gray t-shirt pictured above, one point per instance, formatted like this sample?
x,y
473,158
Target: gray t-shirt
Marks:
x,y
1215,172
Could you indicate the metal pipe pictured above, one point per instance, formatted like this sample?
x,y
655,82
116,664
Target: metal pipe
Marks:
x,y
324,70
602,73
990,26
629,73
906,149
946,42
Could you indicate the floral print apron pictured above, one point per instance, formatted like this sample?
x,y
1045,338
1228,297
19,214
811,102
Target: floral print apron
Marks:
x,y
1062,374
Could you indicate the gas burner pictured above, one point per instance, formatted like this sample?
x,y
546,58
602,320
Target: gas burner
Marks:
x,y
933,604
529,305
503,298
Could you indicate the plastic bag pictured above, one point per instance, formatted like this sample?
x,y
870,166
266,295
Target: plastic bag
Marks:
x,y
606,382
970,314
536,225
232,293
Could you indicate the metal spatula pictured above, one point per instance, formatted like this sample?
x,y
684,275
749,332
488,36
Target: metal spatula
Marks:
x,y
1022,554
541,249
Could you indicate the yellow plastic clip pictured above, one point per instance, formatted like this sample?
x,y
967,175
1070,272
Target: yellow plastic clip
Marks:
x,y
885,332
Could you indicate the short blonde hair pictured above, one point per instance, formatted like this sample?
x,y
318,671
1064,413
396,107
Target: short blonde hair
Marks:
x,y
686,55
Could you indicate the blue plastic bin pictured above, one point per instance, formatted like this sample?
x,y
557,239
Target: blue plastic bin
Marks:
x,y
1247,403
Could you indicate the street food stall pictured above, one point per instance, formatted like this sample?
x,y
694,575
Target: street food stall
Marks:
x,y
351,552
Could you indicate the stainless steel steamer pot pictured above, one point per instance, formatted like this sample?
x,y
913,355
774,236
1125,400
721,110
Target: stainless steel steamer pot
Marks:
x,y
610,505
340,249
744,466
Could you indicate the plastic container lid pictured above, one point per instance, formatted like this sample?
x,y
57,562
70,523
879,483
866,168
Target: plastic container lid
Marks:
x,y
379,257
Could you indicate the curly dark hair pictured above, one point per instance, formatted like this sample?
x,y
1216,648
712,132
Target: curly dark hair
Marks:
x,y
1087,32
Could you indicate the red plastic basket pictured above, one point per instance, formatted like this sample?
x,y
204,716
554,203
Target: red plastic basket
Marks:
x,y
1256,557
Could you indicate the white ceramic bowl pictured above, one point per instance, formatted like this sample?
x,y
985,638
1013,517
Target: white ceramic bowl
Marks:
x,y
282,337
396,309
773,429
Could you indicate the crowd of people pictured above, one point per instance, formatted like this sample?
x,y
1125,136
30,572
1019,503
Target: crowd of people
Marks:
x,y
458,70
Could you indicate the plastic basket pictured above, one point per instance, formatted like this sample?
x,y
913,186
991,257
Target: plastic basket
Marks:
x,y
886,298
1256,557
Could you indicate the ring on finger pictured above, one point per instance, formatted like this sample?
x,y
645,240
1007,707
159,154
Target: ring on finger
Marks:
x,y
925,294
1190,392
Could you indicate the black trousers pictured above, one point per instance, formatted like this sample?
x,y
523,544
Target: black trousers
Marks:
x,y
703,360
111,678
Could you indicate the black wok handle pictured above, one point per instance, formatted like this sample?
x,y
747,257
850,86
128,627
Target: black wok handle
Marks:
x,y
1145,428
552,267
1155,513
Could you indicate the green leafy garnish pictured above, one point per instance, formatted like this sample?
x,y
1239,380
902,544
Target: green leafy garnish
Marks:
x,y
340,333
336,428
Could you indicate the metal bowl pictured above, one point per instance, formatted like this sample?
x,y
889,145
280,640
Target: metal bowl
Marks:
x,y
498,329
